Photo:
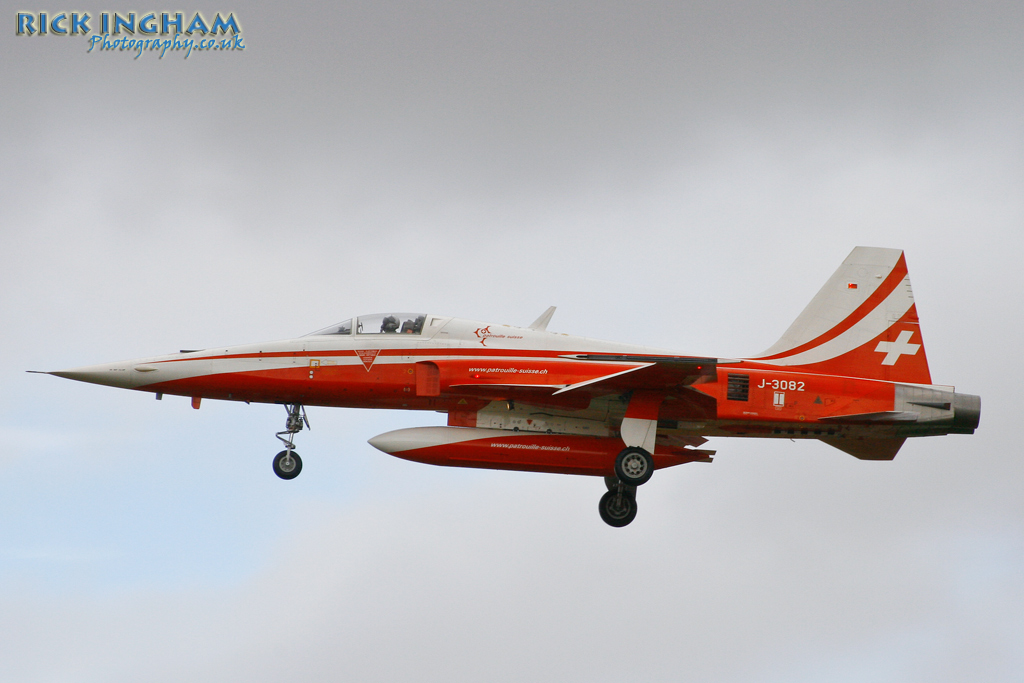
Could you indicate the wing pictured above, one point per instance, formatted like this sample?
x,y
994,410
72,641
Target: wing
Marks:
x,y
572,381
650,372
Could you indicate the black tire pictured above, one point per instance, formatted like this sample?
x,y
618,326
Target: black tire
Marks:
x,y
634,466
285,469
617,509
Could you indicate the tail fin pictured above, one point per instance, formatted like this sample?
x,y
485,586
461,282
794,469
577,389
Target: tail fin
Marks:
x,y
863,323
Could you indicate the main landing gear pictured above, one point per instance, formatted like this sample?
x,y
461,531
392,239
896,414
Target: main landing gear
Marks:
x,y
633,467
618,506
287,463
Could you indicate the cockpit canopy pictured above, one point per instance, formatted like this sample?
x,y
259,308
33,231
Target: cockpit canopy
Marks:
x,y
378,323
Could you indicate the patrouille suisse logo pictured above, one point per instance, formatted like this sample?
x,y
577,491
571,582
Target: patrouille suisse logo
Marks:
x,y
157,32
484,333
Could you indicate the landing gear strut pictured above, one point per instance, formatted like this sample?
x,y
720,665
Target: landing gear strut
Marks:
x,y
287,463
618,506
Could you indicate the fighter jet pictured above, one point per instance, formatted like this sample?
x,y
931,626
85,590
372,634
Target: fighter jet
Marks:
x,y
851,371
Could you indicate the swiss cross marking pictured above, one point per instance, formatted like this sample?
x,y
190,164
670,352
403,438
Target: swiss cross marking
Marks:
x,y
894,349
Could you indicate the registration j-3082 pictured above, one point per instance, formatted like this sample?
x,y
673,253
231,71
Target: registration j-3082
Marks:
x,y
782,384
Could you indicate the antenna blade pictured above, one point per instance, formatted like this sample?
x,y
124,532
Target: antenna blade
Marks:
x,y
541,323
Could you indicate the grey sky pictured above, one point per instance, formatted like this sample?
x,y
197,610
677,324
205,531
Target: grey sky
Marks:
x,y
681,175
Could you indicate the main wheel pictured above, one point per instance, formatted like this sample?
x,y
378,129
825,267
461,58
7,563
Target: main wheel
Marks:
x,y
287,466
617,509
634,466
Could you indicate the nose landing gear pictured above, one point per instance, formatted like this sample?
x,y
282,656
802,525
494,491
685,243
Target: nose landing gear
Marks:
x,y
287,463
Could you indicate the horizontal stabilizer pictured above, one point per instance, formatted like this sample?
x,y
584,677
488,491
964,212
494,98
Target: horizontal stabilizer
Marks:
x,y
866,448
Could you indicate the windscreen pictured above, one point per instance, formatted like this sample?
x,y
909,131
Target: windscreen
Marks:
x,y
337,328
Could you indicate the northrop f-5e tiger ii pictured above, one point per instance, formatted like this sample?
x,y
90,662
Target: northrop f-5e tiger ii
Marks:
x,y
851,371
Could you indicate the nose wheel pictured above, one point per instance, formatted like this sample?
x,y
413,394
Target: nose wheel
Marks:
x,y
287,463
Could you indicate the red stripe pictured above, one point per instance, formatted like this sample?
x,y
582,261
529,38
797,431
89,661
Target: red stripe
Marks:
x,y
890,283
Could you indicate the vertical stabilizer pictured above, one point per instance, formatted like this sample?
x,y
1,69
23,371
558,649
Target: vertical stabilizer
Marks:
x,y
863,323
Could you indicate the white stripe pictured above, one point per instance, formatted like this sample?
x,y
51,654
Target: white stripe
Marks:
x,y
894,307
868,268
602,378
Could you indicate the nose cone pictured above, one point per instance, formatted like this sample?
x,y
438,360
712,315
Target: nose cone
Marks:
x,y
112,374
